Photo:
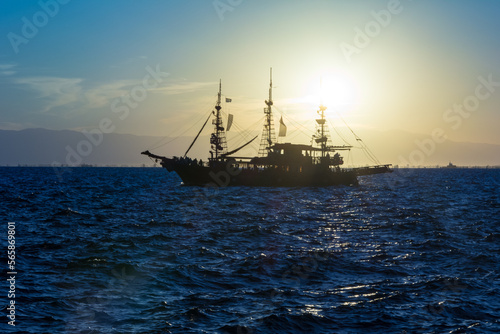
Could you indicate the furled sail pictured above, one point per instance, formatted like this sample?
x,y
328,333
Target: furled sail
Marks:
x,y
239,148
229,121
282,132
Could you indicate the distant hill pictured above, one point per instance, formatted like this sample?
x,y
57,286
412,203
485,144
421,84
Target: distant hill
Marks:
x,y
44,147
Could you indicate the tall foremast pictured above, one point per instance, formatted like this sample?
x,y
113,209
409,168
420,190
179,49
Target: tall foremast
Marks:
x,y
218,137
268,135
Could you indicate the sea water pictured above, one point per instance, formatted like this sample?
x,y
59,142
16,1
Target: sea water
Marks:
x,y
131,250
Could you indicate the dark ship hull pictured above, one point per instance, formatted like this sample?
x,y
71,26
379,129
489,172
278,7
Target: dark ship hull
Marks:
x,y
230,173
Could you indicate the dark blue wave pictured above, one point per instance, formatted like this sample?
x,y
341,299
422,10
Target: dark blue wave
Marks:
x,y
130,250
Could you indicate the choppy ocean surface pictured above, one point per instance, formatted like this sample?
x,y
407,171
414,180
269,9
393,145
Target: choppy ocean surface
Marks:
x,y
130,250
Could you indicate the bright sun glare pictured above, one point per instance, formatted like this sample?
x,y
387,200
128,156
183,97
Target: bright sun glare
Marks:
x,y
332,89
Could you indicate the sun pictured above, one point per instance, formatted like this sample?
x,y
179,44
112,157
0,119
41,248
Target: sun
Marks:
x,y
334,89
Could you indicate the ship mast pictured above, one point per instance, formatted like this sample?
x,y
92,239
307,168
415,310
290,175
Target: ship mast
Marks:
x,y
322,138
268,136
218,137
322,135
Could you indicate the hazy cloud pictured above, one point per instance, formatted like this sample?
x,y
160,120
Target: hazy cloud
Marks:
x,y
7,69
54,91
184,87
71,92
103,94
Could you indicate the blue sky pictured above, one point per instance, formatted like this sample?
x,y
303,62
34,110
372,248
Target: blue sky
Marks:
x,y
91,53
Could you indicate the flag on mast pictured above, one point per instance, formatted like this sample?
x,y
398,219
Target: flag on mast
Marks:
x,y
282,132
228,99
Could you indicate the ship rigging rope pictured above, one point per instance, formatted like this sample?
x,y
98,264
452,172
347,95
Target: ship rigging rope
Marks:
x,y
157,144
297,125
293,134
337,131
364,147
308,131
244,134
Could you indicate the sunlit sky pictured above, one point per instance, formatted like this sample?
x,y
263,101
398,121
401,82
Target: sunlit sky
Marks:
x,y
74,66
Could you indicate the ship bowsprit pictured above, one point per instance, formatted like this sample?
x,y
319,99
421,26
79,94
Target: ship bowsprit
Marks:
x,y
370,170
